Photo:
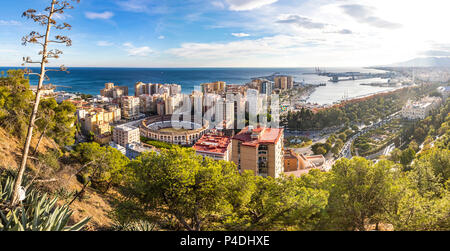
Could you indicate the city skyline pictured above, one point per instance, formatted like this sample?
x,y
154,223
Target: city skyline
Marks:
x,y
236,33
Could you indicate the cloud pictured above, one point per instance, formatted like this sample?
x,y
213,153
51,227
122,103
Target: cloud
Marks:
x,y
144,6
301,21
240,34
9,22
104,43
161,37
241,5
58,16
8,51
133,5
137,51
102,15
343,32
364,14
218,4
266,46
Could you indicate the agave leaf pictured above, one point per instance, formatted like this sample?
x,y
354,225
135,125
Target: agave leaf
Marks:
x,y
39,212
24,218
79,225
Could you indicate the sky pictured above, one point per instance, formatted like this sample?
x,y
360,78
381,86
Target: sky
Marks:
x,y
235,33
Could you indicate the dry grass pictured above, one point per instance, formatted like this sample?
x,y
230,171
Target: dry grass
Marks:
x,y
92,204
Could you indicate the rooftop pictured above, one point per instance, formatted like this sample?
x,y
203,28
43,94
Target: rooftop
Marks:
x,y
212,144
290,154
140,147
259,135
126,128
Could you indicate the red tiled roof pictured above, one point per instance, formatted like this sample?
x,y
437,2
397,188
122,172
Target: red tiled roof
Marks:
x,y
290,154
266,136
212,144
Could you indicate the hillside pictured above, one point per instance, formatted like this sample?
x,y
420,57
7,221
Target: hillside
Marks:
x,y
63,181
424,62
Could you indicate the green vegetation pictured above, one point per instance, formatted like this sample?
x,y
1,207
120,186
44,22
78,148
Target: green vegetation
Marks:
x,y
15,99
321,149
334,143
178,190
366,111
57,121
86,96
54,121
377,139
101,166
37,212
435,125
297,141
157,144
360,112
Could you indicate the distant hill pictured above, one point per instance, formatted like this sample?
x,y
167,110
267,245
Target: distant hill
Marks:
x,y
425,62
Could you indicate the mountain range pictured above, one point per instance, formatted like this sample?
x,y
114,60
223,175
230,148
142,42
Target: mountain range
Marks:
x,y
424,62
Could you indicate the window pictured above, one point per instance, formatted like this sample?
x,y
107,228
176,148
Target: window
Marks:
x,y
262,166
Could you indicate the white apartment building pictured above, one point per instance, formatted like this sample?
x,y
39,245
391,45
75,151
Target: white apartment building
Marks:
x,y
126,134
150,89
146,103
172,103
420,109
130,107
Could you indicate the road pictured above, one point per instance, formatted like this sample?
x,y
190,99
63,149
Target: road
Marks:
x,y
346,151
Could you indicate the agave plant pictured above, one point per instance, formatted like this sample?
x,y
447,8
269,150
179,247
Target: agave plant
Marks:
x,y
136,226
37,212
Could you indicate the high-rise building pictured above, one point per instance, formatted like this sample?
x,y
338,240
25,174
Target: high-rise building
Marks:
x,y
146,104
160,107
236,89
224,114
115,113
142,88
265,87
259,150
218,87
283,82
97,121
150,89
172,103
174,89
112,91
130,107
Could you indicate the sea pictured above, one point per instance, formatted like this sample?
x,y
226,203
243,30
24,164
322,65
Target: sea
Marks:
x,y
92,80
